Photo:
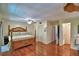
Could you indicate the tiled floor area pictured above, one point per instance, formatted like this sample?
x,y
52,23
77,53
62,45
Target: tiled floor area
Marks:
x,y
43,50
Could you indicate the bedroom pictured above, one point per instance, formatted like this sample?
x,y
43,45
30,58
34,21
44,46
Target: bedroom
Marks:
x,y
32,26
21,34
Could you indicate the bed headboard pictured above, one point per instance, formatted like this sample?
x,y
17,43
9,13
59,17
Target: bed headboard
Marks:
x,y
16,29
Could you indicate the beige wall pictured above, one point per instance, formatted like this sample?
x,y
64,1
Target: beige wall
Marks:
x,y
0,34
50,31
30,28
74,23
41,32
74,30
44,32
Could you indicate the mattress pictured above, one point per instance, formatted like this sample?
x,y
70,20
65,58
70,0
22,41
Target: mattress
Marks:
x,y
21,37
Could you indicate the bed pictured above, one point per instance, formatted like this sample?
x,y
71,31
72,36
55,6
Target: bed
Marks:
x,y
20,38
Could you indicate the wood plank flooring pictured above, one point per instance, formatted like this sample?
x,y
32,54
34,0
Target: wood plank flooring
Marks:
x,y
54,50
40,49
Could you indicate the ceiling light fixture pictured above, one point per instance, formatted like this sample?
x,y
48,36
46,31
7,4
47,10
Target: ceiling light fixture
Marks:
x,y
29,21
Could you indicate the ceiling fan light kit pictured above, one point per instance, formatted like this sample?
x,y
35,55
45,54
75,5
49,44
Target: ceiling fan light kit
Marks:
x,y
70,7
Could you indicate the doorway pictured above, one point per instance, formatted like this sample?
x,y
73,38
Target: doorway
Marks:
x,y
66,28
57,33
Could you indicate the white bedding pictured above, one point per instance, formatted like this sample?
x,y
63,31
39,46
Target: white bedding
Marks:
x,y
21,37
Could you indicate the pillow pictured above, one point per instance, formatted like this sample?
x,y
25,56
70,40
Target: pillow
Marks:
x,y
20,33
15,33
24,33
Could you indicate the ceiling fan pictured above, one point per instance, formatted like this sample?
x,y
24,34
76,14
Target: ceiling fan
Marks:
x,y
71,7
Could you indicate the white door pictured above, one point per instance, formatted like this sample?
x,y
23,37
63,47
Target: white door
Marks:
x,y
66,33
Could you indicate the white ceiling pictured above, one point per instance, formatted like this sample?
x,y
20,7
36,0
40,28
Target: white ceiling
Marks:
x,y
37,11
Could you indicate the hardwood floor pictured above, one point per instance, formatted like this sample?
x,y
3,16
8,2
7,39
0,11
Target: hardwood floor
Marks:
x,y
19,49
43,50
54,50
